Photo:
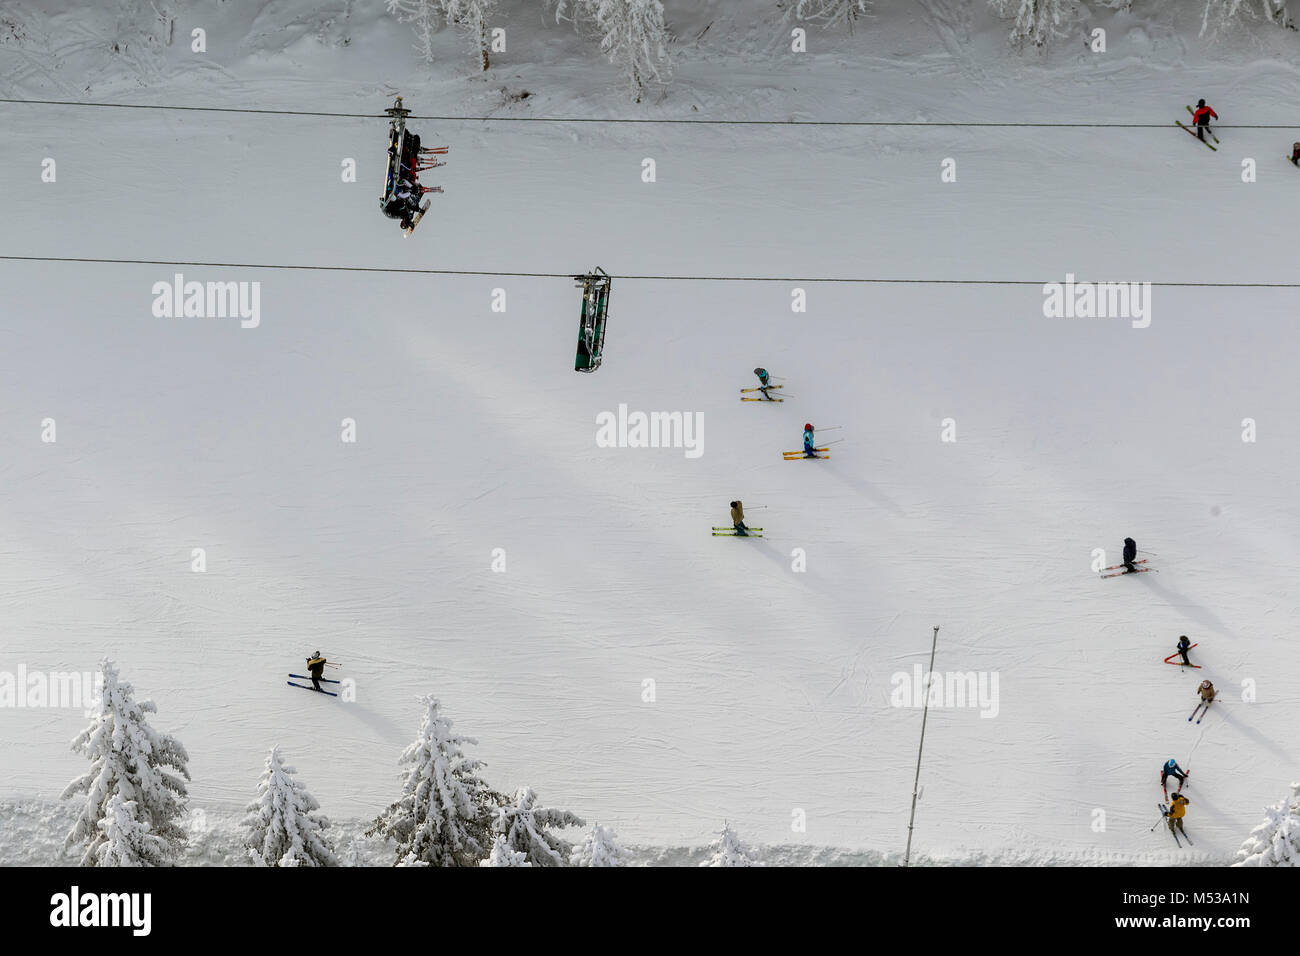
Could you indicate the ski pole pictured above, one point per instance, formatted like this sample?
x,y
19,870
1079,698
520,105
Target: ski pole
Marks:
x,y
828,428
835,442
1152,553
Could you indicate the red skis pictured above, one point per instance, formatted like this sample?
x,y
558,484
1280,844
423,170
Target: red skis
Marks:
x,y
1169,659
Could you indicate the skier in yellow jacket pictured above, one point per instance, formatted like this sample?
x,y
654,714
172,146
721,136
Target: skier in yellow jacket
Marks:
x,y
1177,810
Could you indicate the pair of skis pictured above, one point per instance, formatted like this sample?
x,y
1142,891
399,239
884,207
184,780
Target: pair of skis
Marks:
x,y
796,455
323,680
721,532
765,390
1206,704
1119,569
1164,811
1190,132
1170,658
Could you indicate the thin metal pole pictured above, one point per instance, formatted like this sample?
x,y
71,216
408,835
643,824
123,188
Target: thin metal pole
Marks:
x,y
907,857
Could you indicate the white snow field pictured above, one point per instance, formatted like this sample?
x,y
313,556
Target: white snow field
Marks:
x,y
772,687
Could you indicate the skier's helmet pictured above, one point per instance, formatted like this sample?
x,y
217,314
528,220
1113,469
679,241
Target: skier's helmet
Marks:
x,y
315,654
1200,102
807,427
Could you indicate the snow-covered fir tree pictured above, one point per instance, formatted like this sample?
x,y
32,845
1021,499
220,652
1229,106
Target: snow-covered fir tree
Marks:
x,y
729,851
600,848
441,818
1276,841
127,841
128,757
503,855
633,35
1036,21
526,827
832,11
1221,13
426,17
472,18
283,826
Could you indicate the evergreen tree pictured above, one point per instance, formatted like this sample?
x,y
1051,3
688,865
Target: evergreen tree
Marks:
x,y
427,16
127,841
128,757
525,825
441,817
1036,21
729,851
832,11
502,855
283,826
600,848
1218,14
633,35
1276,841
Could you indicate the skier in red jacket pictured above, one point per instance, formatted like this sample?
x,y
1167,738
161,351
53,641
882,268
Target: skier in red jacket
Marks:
x,y
1201,119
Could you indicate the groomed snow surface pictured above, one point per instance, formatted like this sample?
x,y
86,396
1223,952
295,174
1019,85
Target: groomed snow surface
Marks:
x,y
772,687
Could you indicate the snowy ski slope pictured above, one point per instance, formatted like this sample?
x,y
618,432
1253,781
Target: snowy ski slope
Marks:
x,y
772,687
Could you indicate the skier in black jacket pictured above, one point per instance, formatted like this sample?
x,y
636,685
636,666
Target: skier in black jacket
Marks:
x,y
1183,646
1130,554
316,667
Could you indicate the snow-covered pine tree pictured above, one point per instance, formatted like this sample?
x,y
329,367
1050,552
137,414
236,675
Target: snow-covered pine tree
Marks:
x,y
441,818
472,17
283,826
127,841
128,757
424,16
1036,21
600,848
633,35
525,826
832,11
1276,841
729,851
427,16
502,855
1221,13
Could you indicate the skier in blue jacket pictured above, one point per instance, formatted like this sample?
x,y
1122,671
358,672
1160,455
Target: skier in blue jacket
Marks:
x,y
1171,769
808,450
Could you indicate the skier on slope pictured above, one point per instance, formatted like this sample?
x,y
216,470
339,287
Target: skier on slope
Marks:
x,y
1201,119
764,382
1295,153
1208,693
1171,769
1177,810
808,450
1130,554
1184,645
316,667
738,519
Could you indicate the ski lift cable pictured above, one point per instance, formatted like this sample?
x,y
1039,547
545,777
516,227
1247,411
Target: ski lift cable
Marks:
x,y
507,273
643,120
